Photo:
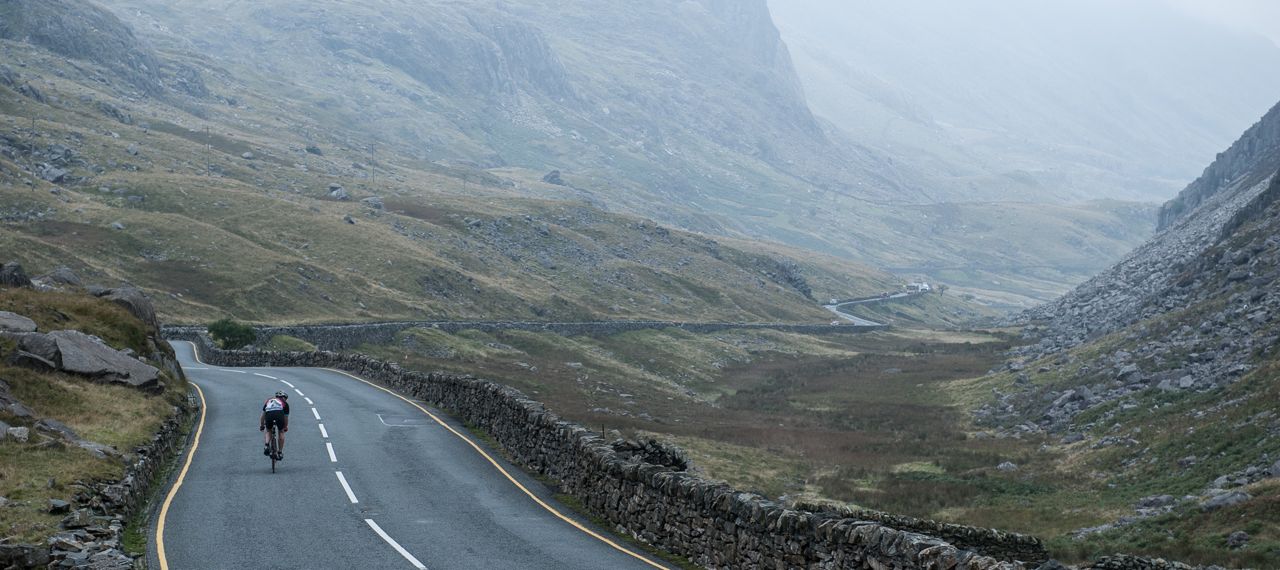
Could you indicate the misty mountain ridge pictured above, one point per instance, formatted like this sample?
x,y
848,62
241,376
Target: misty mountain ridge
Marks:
x,y
1046,101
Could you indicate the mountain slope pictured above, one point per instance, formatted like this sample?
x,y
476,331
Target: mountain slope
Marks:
x,y
688,113
243,222
1160,376
690,117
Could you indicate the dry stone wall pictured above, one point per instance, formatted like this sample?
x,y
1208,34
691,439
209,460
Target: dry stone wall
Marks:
x,y
347,336
707,522
995,543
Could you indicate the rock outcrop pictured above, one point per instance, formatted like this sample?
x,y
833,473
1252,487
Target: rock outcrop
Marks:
x,y
1256,154
77,353
82,30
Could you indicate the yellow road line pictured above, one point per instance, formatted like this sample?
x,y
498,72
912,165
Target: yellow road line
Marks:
x,y
504,472
164,510
196,351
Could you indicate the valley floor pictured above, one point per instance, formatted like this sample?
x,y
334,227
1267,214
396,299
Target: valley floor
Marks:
x,y
881,421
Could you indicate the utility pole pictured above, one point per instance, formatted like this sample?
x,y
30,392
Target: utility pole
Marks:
x,y
208,149
31,150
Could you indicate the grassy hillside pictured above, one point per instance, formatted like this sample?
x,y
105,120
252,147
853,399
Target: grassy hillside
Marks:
x,y
261,238
45,466
690,117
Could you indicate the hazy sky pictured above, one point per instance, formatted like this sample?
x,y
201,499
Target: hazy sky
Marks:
x,y
1258,16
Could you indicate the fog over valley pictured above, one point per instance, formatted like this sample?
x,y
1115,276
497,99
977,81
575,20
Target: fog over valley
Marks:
x,y
582,284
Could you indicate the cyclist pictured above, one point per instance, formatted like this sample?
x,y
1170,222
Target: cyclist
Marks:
x,y
275,412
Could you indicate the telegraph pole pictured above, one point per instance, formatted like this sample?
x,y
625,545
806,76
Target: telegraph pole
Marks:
x,y
208,149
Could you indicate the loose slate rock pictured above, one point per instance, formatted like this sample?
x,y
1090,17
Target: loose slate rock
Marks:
x,y
58,506
13,322
89,356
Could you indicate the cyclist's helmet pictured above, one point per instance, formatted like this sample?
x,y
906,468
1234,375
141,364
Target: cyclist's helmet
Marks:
x,y
281,394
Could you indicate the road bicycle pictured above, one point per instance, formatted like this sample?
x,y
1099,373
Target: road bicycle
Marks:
x,y
272,442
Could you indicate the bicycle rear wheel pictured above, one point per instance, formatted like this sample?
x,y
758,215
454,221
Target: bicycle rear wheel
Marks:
x,y
272,444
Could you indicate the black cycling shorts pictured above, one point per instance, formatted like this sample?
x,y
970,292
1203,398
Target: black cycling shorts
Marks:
x,y
277,418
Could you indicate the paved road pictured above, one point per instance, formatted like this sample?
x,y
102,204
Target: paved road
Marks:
x,y
859,321
410,493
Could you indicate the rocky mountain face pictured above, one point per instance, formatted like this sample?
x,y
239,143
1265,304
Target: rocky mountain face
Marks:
x,y
1253,156
1153,280
1159,376
82,30
1193,310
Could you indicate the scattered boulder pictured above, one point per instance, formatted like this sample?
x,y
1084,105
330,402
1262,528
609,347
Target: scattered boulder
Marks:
x,y
1156,502
1007,466
247,156
1237,540
134,301
374,202
53,174
313,149
348,219
132,149
62,276
553,177
12,275
1225,500
118,226
1275,470
13,322
58,506
337,192
55,427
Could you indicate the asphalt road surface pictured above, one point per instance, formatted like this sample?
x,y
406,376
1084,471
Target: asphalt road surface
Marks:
x,y
368,480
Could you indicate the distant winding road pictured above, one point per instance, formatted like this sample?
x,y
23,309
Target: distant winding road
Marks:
x,y
369,480
859,321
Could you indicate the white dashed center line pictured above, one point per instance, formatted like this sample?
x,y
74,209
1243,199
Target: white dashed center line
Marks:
x,y
309,402
315,413
193,368
299,392
323,433
286,383
332,458
346,487
265,376
234,371
395,545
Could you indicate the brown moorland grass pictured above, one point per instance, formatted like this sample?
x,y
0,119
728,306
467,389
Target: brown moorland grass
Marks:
x,y
41,469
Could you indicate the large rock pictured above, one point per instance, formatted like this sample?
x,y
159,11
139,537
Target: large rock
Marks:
x,y
12,275
1225,500
40,345
86,355
136,302
13,322
62,276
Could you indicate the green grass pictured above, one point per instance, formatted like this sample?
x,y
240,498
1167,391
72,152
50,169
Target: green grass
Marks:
x,y
34,472
286,343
